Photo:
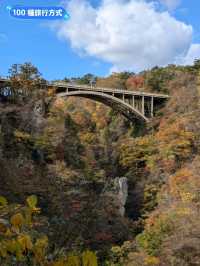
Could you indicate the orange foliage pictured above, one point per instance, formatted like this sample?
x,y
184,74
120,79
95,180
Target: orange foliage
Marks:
x,y
59,103
175,140
135,82
81,119
184,185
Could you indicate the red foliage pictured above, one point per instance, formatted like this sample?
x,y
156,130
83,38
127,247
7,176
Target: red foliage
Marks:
x,y
103,236
76,205
135,82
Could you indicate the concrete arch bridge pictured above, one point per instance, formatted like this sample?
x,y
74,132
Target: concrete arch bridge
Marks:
x,y
134,105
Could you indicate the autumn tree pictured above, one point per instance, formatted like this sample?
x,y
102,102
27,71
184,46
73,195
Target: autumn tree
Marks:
x,y
87,79
22,243
157,79
25,80
135,82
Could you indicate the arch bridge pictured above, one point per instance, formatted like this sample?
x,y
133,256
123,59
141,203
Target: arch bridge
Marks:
x,y
132,104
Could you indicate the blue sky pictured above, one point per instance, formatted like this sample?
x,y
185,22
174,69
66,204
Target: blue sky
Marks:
x,y
188,12
51,49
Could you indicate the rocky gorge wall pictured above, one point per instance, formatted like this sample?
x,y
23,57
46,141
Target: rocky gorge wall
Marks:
x,y
90,212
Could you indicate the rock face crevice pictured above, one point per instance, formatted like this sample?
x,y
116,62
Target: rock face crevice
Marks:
x,y
122,184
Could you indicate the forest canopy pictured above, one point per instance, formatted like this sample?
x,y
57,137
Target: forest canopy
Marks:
x,y
62,162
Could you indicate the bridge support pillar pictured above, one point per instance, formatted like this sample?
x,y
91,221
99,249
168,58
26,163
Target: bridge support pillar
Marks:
x,y
133,101
152,106
143,105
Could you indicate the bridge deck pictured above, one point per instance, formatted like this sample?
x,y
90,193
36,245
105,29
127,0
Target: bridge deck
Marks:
x,y
132,104
108,90
62,85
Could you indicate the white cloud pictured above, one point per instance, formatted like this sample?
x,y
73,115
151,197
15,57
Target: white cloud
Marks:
x,y
171,4
131,35
193,53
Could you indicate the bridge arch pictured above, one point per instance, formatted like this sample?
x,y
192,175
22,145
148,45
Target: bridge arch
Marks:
x,y
115,103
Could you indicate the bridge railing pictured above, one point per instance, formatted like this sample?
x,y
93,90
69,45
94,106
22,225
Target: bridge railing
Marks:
x,y
100,89
108,90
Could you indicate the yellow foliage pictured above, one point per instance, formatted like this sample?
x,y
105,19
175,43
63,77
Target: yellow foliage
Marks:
x,y
73,261
59,263
15,248
134,151
183,185
32,201
21,136
18,244
3,250
25,242
28,216
17,220
88,137
153,261
89,258
186,196
184,211
42,141
8,233
62,171
51,92
40,247
3,201
175,140
116,250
